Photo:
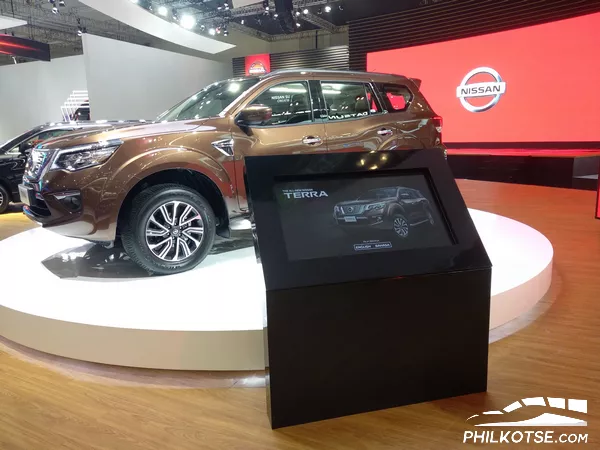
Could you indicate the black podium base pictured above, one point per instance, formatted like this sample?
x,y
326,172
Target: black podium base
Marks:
x,y
343,349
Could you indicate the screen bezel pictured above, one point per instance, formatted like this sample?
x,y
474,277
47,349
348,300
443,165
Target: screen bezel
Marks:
x,y
264,172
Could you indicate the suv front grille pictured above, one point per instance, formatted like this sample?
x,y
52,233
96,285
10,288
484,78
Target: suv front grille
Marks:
x,y
358,209
37,161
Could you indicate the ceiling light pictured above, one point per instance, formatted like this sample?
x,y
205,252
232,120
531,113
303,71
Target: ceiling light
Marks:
x,y
320,11
212,31
55,10
243,22
328,8
341,7
163,11
225,32
188,22
275,15
265,4
218,30
61,3
305,11
134,1
298,13
298,24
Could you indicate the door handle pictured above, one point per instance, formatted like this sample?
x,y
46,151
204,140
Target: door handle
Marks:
x,y
312,140
385,132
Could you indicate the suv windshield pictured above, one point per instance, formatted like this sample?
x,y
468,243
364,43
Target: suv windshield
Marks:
x,y
377,194
210,101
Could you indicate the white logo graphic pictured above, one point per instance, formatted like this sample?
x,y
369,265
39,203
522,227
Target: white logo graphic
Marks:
x,y
494,89
555,412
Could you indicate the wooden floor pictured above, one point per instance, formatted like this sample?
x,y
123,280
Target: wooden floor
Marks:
x,y
558,355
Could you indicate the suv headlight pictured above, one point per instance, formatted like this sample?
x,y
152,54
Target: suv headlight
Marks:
x,y
373,206
84,156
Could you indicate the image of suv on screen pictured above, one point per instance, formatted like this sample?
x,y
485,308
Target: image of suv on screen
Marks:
x,y
167,188
397,209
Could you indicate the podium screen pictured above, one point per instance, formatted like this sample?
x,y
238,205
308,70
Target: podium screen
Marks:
x,y
324,217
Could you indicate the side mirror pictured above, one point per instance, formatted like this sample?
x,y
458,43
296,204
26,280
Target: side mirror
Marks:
x,y
25,148
254,115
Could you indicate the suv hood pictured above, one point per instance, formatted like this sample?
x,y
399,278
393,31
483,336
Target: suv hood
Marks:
x,y
126,132
365,202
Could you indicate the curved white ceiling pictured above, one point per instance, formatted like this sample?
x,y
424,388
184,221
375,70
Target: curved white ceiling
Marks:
x,y
131,14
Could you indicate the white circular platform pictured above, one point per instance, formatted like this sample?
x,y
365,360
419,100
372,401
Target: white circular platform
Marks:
x,y
70,298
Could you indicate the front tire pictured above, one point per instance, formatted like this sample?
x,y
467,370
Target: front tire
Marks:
x,y
400,226
4,200
169,229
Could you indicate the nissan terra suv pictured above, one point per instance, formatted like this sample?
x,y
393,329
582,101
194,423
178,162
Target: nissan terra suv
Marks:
x,y
167,188
397,209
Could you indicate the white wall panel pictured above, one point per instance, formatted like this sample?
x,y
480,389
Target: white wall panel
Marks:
x,y
32,93
127,81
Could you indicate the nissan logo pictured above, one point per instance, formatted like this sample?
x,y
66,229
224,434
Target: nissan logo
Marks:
x,y
494,89
350,209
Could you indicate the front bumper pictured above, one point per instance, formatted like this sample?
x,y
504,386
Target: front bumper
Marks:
x,y
375,220
51,208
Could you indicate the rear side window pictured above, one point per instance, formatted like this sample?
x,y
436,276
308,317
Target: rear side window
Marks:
x,y
346,100
395,96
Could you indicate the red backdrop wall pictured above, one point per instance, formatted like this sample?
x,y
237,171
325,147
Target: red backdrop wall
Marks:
x,y
552,76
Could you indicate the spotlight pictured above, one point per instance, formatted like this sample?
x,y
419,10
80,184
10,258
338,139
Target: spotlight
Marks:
x,y
212,31
328,8
202,27
298,24
188,22
298,13
275,16
243,22
174,14
226,6
265,4
320,11
225,32
55,10
163,11
305,11
341,7
218,30
61,3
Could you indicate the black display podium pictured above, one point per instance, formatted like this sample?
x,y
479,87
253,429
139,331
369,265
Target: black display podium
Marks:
x,y
378,285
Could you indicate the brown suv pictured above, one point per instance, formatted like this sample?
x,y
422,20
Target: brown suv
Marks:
x,y
167,188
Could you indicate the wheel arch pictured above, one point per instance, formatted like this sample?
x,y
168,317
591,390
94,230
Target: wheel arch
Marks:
x,y
193,179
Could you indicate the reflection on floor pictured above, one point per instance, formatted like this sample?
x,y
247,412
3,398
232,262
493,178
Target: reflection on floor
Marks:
x,y
94,261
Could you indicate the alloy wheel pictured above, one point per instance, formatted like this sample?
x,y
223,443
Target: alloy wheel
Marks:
x,y
1,199
401,227
174,231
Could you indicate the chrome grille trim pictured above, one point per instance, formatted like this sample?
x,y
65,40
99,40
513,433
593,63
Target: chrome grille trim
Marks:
x,y
358,209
